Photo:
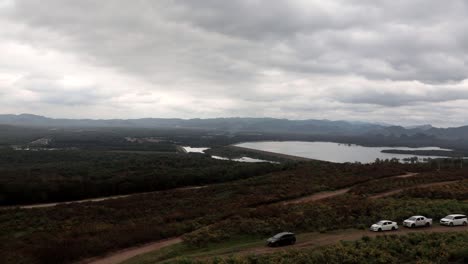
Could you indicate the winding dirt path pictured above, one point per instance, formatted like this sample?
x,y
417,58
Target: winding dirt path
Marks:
x,y
123,255
317,196
324,195
425,185
406,175
307,240
100,199
314,240
305,199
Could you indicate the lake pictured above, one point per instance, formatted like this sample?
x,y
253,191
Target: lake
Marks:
x,y
334,152
241,159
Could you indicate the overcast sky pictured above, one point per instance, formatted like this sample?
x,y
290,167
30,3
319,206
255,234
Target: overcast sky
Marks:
x,y
394,61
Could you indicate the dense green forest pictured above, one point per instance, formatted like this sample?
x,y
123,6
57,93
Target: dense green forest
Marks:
x,y
50,176
442,153
10,135
114,137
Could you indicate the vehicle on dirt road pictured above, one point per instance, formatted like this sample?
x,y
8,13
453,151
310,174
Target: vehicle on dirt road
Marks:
x,y
384,225
454,220
282,239
417,221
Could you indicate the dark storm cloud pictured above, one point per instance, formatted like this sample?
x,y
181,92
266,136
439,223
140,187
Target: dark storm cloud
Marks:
x,y
221,57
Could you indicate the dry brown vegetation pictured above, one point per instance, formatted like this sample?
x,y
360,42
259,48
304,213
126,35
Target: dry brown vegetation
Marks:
x,y
66,233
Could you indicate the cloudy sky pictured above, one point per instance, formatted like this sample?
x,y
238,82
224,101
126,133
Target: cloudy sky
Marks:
x,y
394,61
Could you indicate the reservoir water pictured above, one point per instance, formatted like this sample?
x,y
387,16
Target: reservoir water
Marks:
x,y
241,159
334,152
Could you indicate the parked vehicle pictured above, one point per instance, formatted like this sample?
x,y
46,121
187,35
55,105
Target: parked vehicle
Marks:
x,y
282,239
384,225
454,220
417,221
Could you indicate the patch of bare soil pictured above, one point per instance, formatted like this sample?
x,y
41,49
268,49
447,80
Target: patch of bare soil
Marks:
x,y
123,255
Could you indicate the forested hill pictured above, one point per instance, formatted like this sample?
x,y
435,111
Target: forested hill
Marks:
x,y
221,124
255,125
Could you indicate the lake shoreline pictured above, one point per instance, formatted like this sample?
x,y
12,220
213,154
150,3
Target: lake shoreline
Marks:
x,y
340,152
276,154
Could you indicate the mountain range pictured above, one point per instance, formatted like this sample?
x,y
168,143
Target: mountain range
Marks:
x,y
270,125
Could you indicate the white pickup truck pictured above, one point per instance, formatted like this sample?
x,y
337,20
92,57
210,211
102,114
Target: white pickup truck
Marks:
x,y
417,221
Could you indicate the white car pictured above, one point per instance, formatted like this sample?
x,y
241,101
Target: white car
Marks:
x,y
417,220
454,219
384,225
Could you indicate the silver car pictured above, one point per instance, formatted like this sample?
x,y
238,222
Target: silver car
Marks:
x,y
454,220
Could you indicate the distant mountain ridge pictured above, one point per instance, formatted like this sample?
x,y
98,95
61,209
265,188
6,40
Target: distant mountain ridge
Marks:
x,y
238,124
226,124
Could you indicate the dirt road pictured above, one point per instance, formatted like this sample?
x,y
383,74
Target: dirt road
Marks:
x,y
317,196
313,240
311,198
309,240
121,256
306,240
407,175
323,195
393,192
100,199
